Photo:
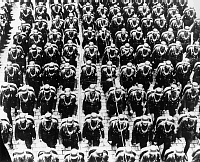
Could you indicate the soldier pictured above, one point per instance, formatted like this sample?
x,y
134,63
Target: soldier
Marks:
x,y
168,36
8,98
128,75
150,153
12,74
88,21
176,23
159,54
121,38
144,74
51,54
175,154
108,76
33,76
157,11
25,129
153,38
126,54
71,22
136,38
36,54
25,28
75,156
146,25
20,38
42,26
55,37
56,9
69,8
103,40
6,129
50,74
102,22
118,131
136,100
160,23
111,53
41,10
88,74
195,73
46,99
171,13
124,153
17,55
88,36
69,133
35,37
116,24
67,76
193,53
155,103
26,100
93,129
87,8
165,132
49,154
189,15
195,154
132,23
183,71
143,10
91,52
70,53
113,11
187,128
184,36
92,100
143,53
26,15
67,106
23,155
171,98
101,10
99,155
58,24
142,131
164,74
190,97
48,130
175,52
71,34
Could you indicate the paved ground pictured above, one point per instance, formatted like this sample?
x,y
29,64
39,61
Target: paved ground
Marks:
x,y
38,145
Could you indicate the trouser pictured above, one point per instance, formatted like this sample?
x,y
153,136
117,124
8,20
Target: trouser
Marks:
x,y
143,142
167,145
95,141
8,112
50,142
70,143
119,141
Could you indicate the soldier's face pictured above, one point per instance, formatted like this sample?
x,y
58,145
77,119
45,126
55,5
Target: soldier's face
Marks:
x,y
23,120
50,50
173,94
32,70
119,19
92,93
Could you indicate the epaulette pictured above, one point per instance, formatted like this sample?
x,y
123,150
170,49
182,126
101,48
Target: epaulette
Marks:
x,y
181,117
168,152
113,119
52,88
51,63
143,151
181,30
36,65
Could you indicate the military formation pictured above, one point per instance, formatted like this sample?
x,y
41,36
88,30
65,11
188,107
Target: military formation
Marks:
x,y
148,53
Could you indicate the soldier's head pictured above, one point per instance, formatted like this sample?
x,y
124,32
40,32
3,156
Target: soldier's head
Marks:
x,y
129,68
123,30
91,46
92,90
57,18
99,152
70,122
94,117
32,67
119,17
155,32
138,31
71,17
118,91
14,50
127,45
50,49
88,65
139,91
174,93
153,152
144,121
9,66
89,17
47,120
67,92
167,67
179,153
194,88
5,89
109,65
87,6
22,118
121,118
89,32
74,154
163,45
56,6
146,67
145,7
158,94
47,90
67,68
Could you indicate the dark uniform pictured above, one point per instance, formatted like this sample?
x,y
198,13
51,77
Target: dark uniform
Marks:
x,y
132,23
25,129
71,34
8,98
171,98
187,128
168,36
143,53
143,10
111,53
41,10
91,52
118,131
128,75
48,130
88,74
146,25
136,100
195,154
26,15
157,11
46,99
67,76
88,21
160,24
121,38
20,38
88,36
58,24
108,76
23,155
71,22
184,36
92,100
50,74
67,106
126,54
56,9
153,38
35,37
70,53
165,132
164,74
102,22
93,129
142,131
176,23
26,99
12,74
189,15
36,54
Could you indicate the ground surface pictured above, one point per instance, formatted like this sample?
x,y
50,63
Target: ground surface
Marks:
x,y
4,46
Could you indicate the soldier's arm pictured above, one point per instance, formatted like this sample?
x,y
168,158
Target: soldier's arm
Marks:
x,y
16,132
60,107
60,135
127,132
79,133
5,76
102,130
54,102
33,133
38,100
91,158
40,130
18,102
84,130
